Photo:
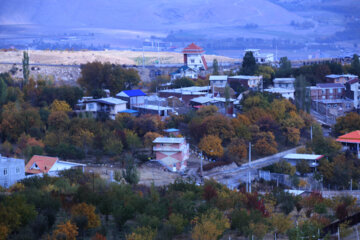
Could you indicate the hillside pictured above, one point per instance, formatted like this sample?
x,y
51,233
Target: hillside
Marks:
x,y
144,15
117,57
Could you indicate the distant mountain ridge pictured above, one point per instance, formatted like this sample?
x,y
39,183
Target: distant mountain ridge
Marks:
x,y
144,14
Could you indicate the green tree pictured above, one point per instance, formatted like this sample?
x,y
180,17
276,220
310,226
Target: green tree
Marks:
x,y
131,174
285,68
302,94
355,65
3,91
303,167
249,65
215,67
183,82
25,64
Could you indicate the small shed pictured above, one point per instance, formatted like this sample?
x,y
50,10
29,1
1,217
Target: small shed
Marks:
x,y
312,159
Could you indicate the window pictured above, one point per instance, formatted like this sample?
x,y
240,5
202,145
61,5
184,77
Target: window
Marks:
x,y
331,90
17,170
91,106
192,61
339,90
323,97
323,91
5,171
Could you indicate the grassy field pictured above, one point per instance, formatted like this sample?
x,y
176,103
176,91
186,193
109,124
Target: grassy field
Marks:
x,y
112,56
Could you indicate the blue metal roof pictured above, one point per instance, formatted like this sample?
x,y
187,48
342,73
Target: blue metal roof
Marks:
x,y
129,111
134,93
171,130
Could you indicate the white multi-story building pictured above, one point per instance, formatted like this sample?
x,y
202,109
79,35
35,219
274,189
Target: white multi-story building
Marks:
x,y
194,58
261,58
218,81
110,105
287,83
172,153
12,170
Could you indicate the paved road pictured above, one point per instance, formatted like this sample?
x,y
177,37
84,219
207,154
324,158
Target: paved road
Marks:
x,y
232,177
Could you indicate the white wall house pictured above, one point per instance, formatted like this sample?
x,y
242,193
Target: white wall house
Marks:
x,y
261,58
218,81
285,93
110,105
287,83
12,170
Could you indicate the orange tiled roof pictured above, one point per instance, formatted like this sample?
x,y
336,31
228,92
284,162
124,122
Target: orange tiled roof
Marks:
x,y
43,164
353,137
193,48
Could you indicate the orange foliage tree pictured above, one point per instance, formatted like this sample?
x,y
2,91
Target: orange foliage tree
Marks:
x,y
67,231
211,145
88,211
149,138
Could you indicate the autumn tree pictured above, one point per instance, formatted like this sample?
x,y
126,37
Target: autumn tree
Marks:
x,y
149,138
61,106
237,150
263,148
211,145
142,233
67,231
348,123
87,211
58,120
218,125
280,223
207,111
268,74
210,226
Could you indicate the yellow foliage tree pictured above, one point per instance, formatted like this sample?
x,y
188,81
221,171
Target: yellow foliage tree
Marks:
x,y
149,138
60,106
264,147
211,145
211,226
280,223
238,150
4,232
67,231
142,233
88,211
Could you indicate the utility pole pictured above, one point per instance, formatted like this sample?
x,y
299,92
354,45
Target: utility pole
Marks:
x,y
311,132
249,173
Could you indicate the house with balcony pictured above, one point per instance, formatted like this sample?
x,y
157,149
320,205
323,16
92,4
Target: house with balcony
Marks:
x,y
261,58
109,106
12,170
172,153
254,83
342,79
324,91
287,83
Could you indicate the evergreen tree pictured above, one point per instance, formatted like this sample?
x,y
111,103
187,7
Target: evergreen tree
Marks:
x,y
285,68
302,95
3,91
249,65
355,65
215,67
25,63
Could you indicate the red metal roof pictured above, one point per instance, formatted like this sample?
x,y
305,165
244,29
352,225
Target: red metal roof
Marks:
x,y
40,164
353,137
193,48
